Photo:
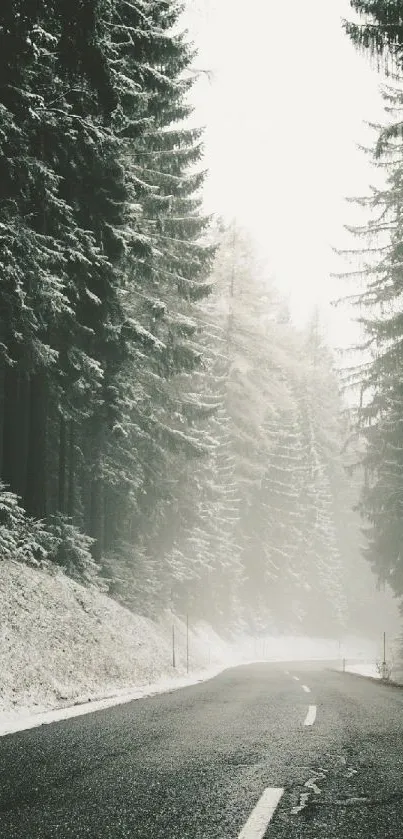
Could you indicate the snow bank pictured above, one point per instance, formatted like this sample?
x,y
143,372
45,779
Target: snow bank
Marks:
x,y
20,719
62,644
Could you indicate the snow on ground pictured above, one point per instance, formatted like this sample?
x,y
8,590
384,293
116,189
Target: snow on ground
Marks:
x,y
23,718
66,650
62,644
365,658
364,669
374,669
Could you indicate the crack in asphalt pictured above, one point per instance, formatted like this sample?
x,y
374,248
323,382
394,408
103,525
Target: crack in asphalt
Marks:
x,y
312,786
350,801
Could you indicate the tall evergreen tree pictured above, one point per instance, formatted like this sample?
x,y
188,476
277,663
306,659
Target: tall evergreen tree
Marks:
x,y
379,29
101,254
50,97
379,302
282,407
166,272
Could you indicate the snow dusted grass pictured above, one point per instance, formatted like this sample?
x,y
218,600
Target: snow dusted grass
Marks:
x,y
62,644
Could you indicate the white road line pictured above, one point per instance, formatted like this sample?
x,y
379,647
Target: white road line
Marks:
x,y
296,678
287,672
306,689
261,816
311,715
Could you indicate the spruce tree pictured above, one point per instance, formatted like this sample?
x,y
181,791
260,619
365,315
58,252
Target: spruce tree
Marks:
x,y
379,29
43,221
96,304
165,271
379,415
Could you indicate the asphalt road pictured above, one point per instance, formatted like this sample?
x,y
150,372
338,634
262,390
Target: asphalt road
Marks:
x,y
194,763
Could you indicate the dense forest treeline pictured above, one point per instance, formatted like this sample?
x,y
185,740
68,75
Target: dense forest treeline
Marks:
x,y
164,428
101,255
378,32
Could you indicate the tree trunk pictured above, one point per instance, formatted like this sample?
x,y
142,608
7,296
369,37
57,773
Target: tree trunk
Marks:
x,y
36,502
107,524
113,519
22,431
10,428
97,518
71,472
2,384
62,465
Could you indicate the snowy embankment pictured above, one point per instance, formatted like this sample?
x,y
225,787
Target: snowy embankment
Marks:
x,y
62,644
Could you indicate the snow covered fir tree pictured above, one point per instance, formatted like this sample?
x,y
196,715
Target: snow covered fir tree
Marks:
x,y
166,432
376,291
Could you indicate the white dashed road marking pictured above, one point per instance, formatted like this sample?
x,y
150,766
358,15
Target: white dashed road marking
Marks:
x,y
296,678
306,689
261,816
311,715
287,672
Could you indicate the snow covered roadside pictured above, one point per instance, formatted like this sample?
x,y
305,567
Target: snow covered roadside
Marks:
x,y
364,669
67,650
21,719
372,671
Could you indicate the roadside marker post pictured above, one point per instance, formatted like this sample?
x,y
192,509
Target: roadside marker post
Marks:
x,y
385,672
173,629
187,643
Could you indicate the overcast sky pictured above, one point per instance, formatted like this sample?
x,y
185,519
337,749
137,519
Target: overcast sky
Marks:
x,y
284,112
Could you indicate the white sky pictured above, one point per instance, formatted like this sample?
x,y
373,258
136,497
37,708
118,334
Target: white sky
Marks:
x,y
284,113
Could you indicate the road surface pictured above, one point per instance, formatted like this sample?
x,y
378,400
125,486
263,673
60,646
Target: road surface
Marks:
x,y
293,751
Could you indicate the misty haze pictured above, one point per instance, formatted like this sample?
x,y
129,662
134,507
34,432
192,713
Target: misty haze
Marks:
x,y
201,419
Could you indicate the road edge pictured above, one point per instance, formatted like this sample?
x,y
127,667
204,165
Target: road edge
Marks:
x,y
14,722
374,679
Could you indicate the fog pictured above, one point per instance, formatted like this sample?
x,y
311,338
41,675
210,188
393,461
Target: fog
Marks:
x,y
285,101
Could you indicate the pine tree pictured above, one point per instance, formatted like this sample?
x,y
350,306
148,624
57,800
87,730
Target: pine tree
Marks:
x,y
89,409
381,31
44,130
166,271
379,416
279,502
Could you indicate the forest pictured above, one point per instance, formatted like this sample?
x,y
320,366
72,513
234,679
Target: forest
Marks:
x,y
166,432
